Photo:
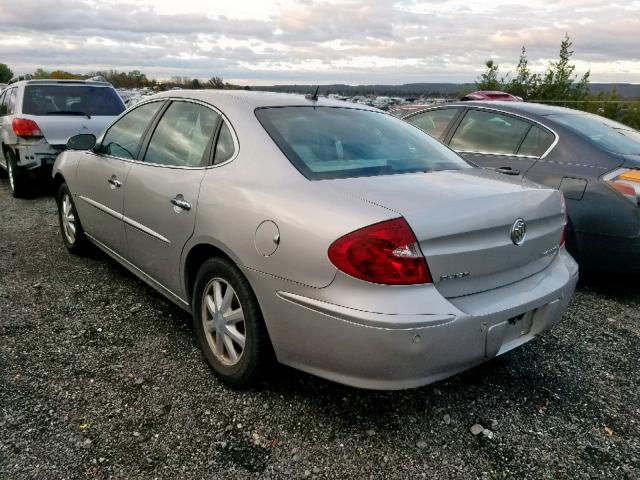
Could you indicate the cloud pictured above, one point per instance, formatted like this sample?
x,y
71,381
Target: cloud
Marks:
x,y
350,41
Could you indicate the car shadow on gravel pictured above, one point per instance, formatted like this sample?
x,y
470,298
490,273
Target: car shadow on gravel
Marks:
x,y
519,381
613,285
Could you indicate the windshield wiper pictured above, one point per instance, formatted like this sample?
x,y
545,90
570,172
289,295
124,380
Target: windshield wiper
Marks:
x,y
69,112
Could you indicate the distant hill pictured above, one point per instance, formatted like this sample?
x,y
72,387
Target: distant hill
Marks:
x,y
449,90
625,90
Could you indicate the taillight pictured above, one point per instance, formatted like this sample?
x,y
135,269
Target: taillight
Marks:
x,y
386,252
23,127
563,237
626,182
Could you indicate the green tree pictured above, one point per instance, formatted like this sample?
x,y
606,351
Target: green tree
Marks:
x,y
525,83
215,82
5,73
40,74
488,80
558,82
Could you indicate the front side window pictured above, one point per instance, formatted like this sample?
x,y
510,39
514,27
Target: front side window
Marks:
x,y
489,132
329,142
71,100
182,135
123,138
612,136
434,122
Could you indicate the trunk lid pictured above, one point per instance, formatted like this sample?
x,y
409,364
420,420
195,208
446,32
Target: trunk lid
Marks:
x,y
57,129
463,221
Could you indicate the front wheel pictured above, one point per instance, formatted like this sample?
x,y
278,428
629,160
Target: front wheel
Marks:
x,y
228,324
70,227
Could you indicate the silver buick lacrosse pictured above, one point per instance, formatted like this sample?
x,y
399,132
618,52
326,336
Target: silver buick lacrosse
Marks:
x,y
330,237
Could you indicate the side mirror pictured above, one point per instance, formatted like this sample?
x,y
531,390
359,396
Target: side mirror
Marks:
x,y
83,141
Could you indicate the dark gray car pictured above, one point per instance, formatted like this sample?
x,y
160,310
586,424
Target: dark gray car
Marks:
x,y
594,161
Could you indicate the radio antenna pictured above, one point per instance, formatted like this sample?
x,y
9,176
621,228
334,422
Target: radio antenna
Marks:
x,y
313,96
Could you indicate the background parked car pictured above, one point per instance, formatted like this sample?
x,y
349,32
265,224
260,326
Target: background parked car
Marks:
x,y
37,117
490,95
404,110
594,161
402,266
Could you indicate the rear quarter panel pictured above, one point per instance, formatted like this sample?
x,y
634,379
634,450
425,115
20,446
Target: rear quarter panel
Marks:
x,y
261,184
575,167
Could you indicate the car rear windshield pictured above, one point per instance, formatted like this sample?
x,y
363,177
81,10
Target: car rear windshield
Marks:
x,y
71,100
610,135
330,142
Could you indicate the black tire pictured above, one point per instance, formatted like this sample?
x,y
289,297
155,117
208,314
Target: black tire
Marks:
x,y
17,180
78,242
256,355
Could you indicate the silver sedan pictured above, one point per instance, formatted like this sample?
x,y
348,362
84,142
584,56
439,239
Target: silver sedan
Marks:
x,y
330,237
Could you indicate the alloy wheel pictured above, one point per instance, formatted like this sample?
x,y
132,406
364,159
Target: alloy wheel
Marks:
x,y
68,219
223,321
12,182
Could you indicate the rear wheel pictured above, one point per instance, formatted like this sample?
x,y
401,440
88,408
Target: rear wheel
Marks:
x,y
70,227
17,181
228,324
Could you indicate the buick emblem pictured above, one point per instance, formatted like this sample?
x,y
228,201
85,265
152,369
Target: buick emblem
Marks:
x,y
518,231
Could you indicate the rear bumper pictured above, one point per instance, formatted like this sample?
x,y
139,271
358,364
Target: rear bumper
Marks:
x,y
384,351
36,155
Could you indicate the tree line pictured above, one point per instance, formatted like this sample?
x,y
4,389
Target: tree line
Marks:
x,y
132,79
559,85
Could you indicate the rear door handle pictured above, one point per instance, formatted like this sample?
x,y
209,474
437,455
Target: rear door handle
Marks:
x,y
180,202
507,171
114,182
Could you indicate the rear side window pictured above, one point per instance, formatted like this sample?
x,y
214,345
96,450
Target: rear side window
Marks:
x,y
71,100
225,147
123,138
182,135
434,122
3,105
11,101
536,143
489,132
329,142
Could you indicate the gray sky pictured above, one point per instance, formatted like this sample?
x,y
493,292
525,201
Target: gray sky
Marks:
x,y
325,41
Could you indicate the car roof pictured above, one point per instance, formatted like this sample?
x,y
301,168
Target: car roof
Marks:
x,y
523,108
52,81
251,100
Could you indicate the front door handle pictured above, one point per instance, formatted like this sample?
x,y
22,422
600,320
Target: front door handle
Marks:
x,y
180,203
507,171
114,182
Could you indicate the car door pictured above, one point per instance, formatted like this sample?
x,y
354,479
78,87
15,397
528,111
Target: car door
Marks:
x,y
435,122
162,196
102,177
497,141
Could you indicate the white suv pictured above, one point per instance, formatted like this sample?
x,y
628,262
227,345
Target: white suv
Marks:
x,y
37,117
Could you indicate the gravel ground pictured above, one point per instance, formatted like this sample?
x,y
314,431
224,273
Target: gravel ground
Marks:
x,y
100,378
